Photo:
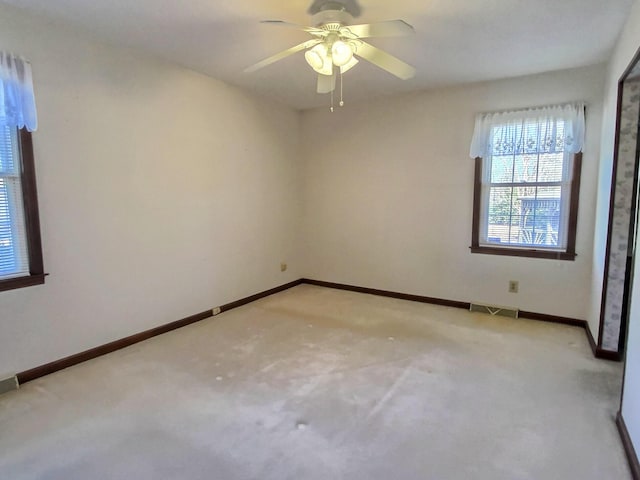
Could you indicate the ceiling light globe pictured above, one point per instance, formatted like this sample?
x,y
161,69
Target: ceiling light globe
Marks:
x,y
314,60
341,53
317,57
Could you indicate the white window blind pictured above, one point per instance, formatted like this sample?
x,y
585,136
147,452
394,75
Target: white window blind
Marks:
x,y
14,258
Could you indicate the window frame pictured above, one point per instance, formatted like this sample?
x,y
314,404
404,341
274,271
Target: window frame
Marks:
x,y
36,274
514,251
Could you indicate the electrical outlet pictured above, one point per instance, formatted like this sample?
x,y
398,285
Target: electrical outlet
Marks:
x,y
513,286
283,267
216,310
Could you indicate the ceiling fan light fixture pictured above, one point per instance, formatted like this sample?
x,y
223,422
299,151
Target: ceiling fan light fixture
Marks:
x,y
341,53
318,57
348,66
314,60
337,45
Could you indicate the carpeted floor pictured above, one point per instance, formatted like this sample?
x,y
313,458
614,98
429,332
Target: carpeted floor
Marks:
x,y
316,383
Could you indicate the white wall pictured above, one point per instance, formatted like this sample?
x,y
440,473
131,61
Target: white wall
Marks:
x,y
162,193
627,46
389,194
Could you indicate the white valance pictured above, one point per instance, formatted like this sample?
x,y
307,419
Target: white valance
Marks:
x,y
542,130
17,102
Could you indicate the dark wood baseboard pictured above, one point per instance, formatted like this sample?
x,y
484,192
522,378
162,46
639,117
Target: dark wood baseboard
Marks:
x,y
592,341
48,368
440,301
597,351
628,447
258,296
42,370
608,355
387,293
600,352
543,317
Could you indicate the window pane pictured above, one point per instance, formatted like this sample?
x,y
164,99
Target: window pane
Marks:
x,y
8,154
520,197
13,242
549,192
546,230
541,217
524,215
500,204
514,237
526,168
551,167
498,233
502,169
499,216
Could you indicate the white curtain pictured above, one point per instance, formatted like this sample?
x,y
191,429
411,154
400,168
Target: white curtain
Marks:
x,y
545,129
17,102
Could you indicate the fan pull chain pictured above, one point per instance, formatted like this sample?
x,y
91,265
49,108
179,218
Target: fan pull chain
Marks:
x,y
341,101
331,101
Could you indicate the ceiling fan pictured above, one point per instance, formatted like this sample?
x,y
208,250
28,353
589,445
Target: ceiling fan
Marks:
x,y
337,44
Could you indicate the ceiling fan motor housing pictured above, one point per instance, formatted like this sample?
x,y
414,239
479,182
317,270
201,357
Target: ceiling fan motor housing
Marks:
x,y
350,6
331,17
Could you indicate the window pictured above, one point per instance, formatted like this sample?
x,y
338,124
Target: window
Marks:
x,y
527,187
20,244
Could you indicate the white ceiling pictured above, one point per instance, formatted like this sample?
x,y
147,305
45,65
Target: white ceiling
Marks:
x,y
456,41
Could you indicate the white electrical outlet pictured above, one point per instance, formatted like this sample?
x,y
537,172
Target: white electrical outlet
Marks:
x,y
513,286
283,267
216,310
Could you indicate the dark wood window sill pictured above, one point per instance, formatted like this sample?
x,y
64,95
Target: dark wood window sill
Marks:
x,y
524,252
21,282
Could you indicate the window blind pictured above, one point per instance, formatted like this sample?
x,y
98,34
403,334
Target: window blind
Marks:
x,y
14,258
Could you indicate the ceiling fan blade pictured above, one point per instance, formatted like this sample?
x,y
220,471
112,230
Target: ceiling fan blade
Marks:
x,y
391,28
326,83
385,61
284,54
280,23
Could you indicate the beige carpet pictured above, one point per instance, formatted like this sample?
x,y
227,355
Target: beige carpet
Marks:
x,y
315,383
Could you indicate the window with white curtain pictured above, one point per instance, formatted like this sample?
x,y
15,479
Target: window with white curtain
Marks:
x,y
527,181
20,245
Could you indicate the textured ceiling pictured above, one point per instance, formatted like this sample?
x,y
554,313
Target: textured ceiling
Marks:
x,y
456,41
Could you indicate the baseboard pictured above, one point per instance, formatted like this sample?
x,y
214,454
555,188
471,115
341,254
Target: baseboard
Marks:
x,y
592,341
387,293
543,317
48,368
628,447
42,370
258,296
597,351
440,301
608,355
600,352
